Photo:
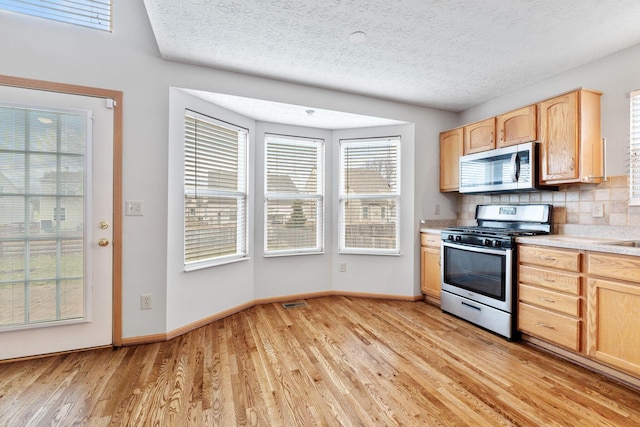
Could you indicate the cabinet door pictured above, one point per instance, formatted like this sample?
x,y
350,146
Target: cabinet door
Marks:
x,y
430,263
559,155
480,136
516,127
613,330
450,152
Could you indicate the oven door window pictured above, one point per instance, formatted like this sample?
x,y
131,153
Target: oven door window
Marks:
x,y
478,272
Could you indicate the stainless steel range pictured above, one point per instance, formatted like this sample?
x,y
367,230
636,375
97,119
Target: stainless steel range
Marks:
x,y
479,267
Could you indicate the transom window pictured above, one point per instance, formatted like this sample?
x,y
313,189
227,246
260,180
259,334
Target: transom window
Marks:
x,y
215,192
370,196
294,195
89,13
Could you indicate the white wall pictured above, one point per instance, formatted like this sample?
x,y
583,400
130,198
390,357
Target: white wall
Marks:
x,y
125,60
381,274
291,275
615,76
128,60
198,294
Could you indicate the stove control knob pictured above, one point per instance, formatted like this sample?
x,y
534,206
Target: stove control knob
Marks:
x,y
450,237
458,238
497,243
487,242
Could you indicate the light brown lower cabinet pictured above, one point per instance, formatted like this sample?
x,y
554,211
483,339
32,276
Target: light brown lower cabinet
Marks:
x,y
550,295
430,267
599,322
613,310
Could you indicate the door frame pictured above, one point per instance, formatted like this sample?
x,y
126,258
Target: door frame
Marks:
x,y
117,96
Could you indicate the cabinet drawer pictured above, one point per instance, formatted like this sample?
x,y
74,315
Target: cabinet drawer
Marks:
x,y
552,258
428,239
549,326
615,267
566,304
552,279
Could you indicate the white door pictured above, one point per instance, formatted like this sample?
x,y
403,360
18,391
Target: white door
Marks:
x,y
56,210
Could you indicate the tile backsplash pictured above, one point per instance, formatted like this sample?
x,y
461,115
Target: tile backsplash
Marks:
x,y
572,204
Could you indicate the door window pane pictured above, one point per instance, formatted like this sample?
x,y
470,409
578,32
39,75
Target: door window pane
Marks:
x,y
41,215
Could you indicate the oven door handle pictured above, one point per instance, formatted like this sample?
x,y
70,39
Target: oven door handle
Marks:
x,y
483,249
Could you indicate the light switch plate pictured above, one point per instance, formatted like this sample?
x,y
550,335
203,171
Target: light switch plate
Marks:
x,y
134,208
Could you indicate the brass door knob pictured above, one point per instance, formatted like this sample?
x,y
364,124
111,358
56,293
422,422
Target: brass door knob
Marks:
x,y
103,242
103,225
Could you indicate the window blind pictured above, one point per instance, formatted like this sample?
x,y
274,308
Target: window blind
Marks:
x,y
294,195
634,155
215,192
89,13
370,196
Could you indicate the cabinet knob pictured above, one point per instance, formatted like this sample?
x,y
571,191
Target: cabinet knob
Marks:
x,y
572,165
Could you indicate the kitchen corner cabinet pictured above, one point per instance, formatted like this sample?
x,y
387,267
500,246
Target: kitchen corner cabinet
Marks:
x,y
450,152
613,311
571,143
516,127
430,267
550,295
480,136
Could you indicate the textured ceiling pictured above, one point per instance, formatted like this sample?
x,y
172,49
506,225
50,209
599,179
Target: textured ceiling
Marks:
x,y
447,54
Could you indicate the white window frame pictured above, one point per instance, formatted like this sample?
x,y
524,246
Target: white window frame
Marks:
x,y
242,214
634,148
94,14
343,197
318,196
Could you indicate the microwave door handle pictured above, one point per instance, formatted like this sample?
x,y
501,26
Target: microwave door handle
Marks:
x,y
515,167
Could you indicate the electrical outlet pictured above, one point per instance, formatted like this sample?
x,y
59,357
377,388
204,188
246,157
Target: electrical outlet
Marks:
x,y
134,208
343,267
598,210
145,302
436,210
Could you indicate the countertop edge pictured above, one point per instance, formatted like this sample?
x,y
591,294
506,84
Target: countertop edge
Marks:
x,y
584,243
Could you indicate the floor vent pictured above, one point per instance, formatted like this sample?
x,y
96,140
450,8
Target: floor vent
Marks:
x,y
294,304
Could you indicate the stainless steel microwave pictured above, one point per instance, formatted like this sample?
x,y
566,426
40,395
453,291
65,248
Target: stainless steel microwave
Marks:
x,y
508,169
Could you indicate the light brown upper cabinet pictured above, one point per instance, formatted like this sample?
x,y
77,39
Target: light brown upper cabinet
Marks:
x,y
480,136
571,145
450,152
516,127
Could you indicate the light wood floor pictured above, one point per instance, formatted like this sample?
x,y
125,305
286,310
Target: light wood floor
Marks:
x,y
337,361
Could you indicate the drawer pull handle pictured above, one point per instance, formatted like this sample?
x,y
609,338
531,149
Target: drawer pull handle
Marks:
x,y
546,279
544,325
547,258
546,299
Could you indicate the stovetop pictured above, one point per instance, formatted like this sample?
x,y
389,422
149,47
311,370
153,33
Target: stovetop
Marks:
x,y
496,231
499,225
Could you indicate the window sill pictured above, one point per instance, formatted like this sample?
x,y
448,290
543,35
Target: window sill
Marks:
x,y
291,253
200,265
